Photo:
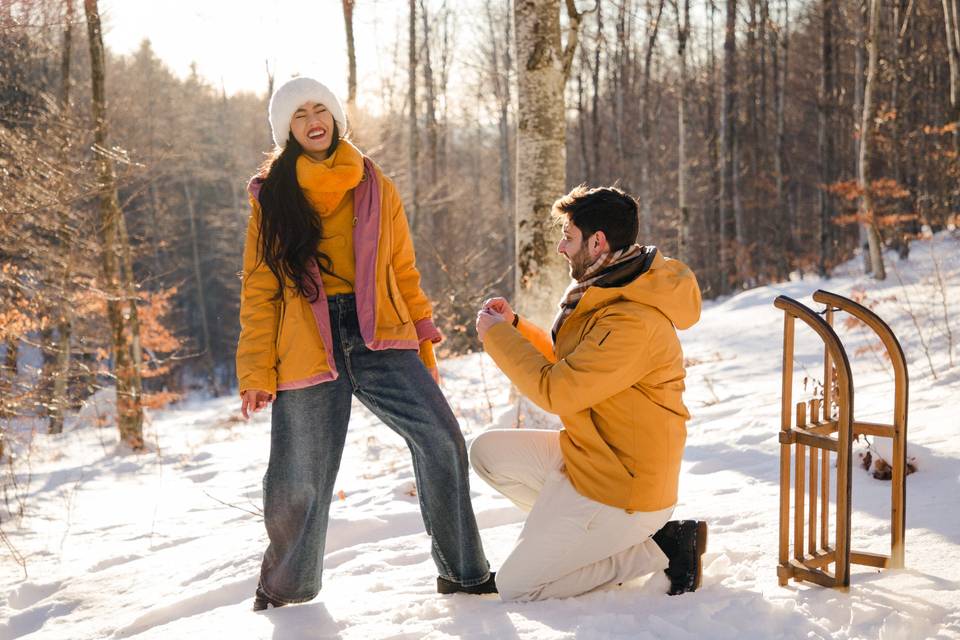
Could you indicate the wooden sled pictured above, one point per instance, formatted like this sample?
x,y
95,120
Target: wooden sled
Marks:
x,y
825,427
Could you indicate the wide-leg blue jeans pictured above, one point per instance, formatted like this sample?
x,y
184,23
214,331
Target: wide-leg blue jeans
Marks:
x,y
308,431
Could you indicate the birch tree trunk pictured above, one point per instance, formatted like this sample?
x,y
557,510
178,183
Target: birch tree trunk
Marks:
x,y
542,69
858,71
865,177
112,229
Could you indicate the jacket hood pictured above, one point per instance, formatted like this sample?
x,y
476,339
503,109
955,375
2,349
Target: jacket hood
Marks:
x,y
666,284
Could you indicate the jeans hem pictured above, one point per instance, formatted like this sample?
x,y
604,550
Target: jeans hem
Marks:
x,y
294,600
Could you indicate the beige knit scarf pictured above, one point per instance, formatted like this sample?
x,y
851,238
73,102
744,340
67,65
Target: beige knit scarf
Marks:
x,y
604,263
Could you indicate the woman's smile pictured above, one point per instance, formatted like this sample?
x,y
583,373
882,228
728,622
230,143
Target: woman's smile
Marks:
x,y
312,126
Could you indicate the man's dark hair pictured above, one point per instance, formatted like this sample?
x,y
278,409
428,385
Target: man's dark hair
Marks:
x,y
606,209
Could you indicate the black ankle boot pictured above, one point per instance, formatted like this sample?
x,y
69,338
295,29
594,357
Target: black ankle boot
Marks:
x,y
683,542
262,601
449,586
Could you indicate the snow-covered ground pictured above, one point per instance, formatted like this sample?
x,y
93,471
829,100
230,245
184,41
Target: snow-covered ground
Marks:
x,y
168,544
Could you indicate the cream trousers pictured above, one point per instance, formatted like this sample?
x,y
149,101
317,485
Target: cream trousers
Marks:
x,y
569,544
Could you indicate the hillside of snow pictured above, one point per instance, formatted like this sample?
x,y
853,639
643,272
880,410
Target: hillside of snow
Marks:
x,y
167,544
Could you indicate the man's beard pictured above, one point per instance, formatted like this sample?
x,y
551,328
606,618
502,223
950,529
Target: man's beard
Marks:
x,y
580,262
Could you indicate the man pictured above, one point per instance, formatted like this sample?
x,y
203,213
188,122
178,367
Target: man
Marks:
x,y
601,491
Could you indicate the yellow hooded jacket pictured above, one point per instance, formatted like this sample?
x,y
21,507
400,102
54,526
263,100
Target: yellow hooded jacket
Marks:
x,y
615,377
287,343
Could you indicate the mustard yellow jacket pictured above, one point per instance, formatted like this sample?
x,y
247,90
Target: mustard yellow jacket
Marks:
x,y
616,379
287,343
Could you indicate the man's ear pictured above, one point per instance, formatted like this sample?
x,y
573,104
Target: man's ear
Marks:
x,y
598,243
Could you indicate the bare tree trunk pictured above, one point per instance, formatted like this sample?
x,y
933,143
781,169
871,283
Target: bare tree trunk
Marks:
x,y
126,369
621,74
413,144
65,55
351,57
446,63
825,138
711,214
128,282
865,174
431,106
646,214
952,24
270,75
541,156
683,227
426,226
500,79
762,98
61,373
784,225
956,72
595,131
901,239
858,66
8,376
201,296
586,153
728,133
749,139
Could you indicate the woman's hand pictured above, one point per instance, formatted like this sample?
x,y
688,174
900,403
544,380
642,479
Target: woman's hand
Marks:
x,y
252,400
501,306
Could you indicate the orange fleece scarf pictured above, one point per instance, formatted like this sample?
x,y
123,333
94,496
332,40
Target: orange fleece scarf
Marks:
x,y
326,183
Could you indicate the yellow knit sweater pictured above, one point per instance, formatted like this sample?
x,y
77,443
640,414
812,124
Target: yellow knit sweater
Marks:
x,y
328,186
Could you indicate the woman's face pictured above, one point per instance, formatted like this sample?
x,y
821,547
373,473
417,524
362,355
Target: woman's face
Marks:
x,y
312,127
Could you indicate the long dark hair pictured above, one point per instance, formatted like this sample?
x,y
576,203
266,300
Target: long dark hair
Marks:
x,y
290,229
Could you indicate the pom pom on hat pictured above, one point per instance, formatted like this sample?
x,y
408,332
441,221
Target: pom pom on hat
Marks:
x,y
293,93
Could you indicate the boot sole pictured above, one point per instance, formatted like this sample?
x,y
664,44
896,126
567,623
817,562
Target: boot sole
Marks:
x,y
446,587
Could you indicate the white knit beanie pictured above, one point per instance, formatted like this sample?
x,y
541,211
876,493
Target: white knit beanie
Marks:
x,y
291,95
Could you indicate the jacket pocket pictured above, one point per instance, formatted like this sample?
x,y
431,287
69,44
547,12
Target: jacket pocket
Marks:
x,y
396,300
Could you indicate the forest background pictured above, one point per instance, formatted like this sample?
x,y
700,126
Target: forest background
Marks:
x,y
763,141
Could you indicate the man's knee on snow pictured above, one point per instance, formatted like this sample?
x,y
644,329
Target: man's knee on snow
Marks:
x,y
516,586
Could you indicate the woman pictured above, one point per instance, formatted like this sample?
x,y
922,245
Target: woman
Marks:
x,y
331,307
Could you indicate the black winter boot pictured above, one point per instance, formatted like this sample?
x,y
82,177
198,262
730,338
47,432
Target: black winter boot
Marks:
x,y
262,601
683,542
449,586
